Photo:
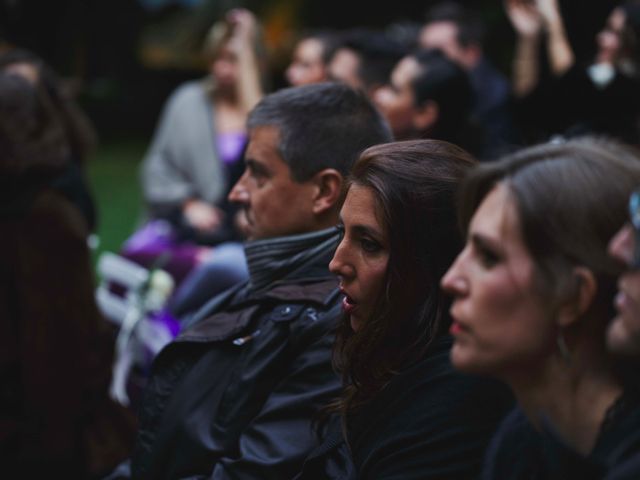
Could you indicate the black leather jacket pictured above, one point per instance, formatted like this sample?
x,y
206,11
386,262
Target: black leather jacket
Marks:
x,y
234,395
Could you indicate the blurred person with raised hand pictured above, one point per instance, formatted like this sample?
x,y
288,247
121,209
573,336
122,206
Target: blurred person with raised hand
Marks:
x,y
567,97
195,154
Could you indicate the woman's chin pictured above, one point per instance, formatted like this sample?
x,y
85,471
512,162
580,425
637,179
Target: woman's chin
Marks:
x,y
355,323
459,358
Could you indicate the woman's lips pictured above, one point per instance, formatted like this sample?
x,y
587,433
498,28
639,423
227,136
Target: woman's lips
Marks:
x,y
348,305
455,328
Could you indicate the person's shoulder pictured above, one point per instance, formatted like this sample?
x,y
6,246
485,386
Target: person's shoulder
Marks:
x,y
628,470
429,420
186,92
513,443
431,394
56,217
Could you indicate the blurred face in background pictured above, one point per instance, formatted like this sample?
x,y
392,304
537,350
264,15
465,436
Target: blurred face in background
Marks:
x,y
443,35
307,65
609,40
224,67
344,67
396,101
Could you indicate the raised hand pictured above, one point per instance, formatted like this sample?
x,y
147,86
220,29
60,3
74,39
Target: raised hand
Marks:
x,y
550,12
525,17
243,24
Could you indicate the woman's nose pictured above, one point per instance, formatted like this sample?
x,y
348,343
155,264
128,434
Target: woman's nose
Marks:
x,y
453,281
339,263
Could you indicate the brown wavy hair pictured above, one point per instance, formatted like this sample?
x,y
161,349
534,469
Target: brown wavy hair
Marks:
x,y
415,184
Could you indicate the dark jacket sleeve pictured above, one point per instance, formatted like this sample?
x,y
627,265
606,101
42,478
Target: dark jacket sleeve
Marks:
x,y
281,435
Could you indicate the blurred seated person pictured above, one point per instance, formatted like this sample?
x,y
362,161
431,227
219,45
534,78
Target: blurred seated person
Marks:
x,y
78,129
196,152
430,96
56,349
460,33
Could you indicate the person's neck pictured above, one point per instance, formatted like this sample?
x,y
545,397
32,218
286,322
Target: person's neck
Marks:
x,y
575,401
272,259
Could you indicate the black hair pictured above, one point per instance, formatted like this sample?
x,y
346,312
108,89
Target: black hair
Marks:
x,y
471,29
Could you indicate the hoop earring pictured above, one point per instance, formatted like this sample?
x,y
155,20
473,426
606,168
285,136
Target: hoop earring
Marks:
x,y
563,348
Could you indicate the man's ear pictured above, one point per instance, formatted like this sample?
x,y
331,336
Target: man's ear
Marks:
x,y
426,116
327,193
577,305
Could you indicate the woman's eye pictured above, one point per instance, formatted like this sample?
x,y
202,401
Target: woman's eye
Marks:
x,y
369,246
488,257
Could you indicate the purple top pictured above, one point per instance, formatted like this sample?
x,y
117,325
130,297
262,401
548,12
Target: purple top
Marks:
x,y
230,145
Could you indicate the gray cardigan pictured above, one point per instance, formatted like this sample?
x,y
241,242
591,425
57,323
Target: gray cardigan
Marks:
x,y
182,161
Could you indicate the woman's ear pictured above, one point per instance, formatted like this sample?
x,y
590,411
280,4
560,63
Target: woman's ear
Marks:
x,y
328,190
585,287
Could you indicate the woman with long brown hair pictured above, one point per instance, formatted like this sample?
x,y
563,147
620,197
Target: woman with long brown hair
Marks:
x,y
404,413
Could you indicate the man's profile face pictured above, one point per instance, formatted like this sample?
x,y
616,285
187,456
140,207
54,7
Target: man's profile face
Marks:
x,y
396,101
273,203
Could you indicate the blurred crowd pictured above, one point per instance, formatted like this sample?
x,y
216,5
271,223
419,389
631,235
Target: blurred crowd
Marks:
x,y
403,263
